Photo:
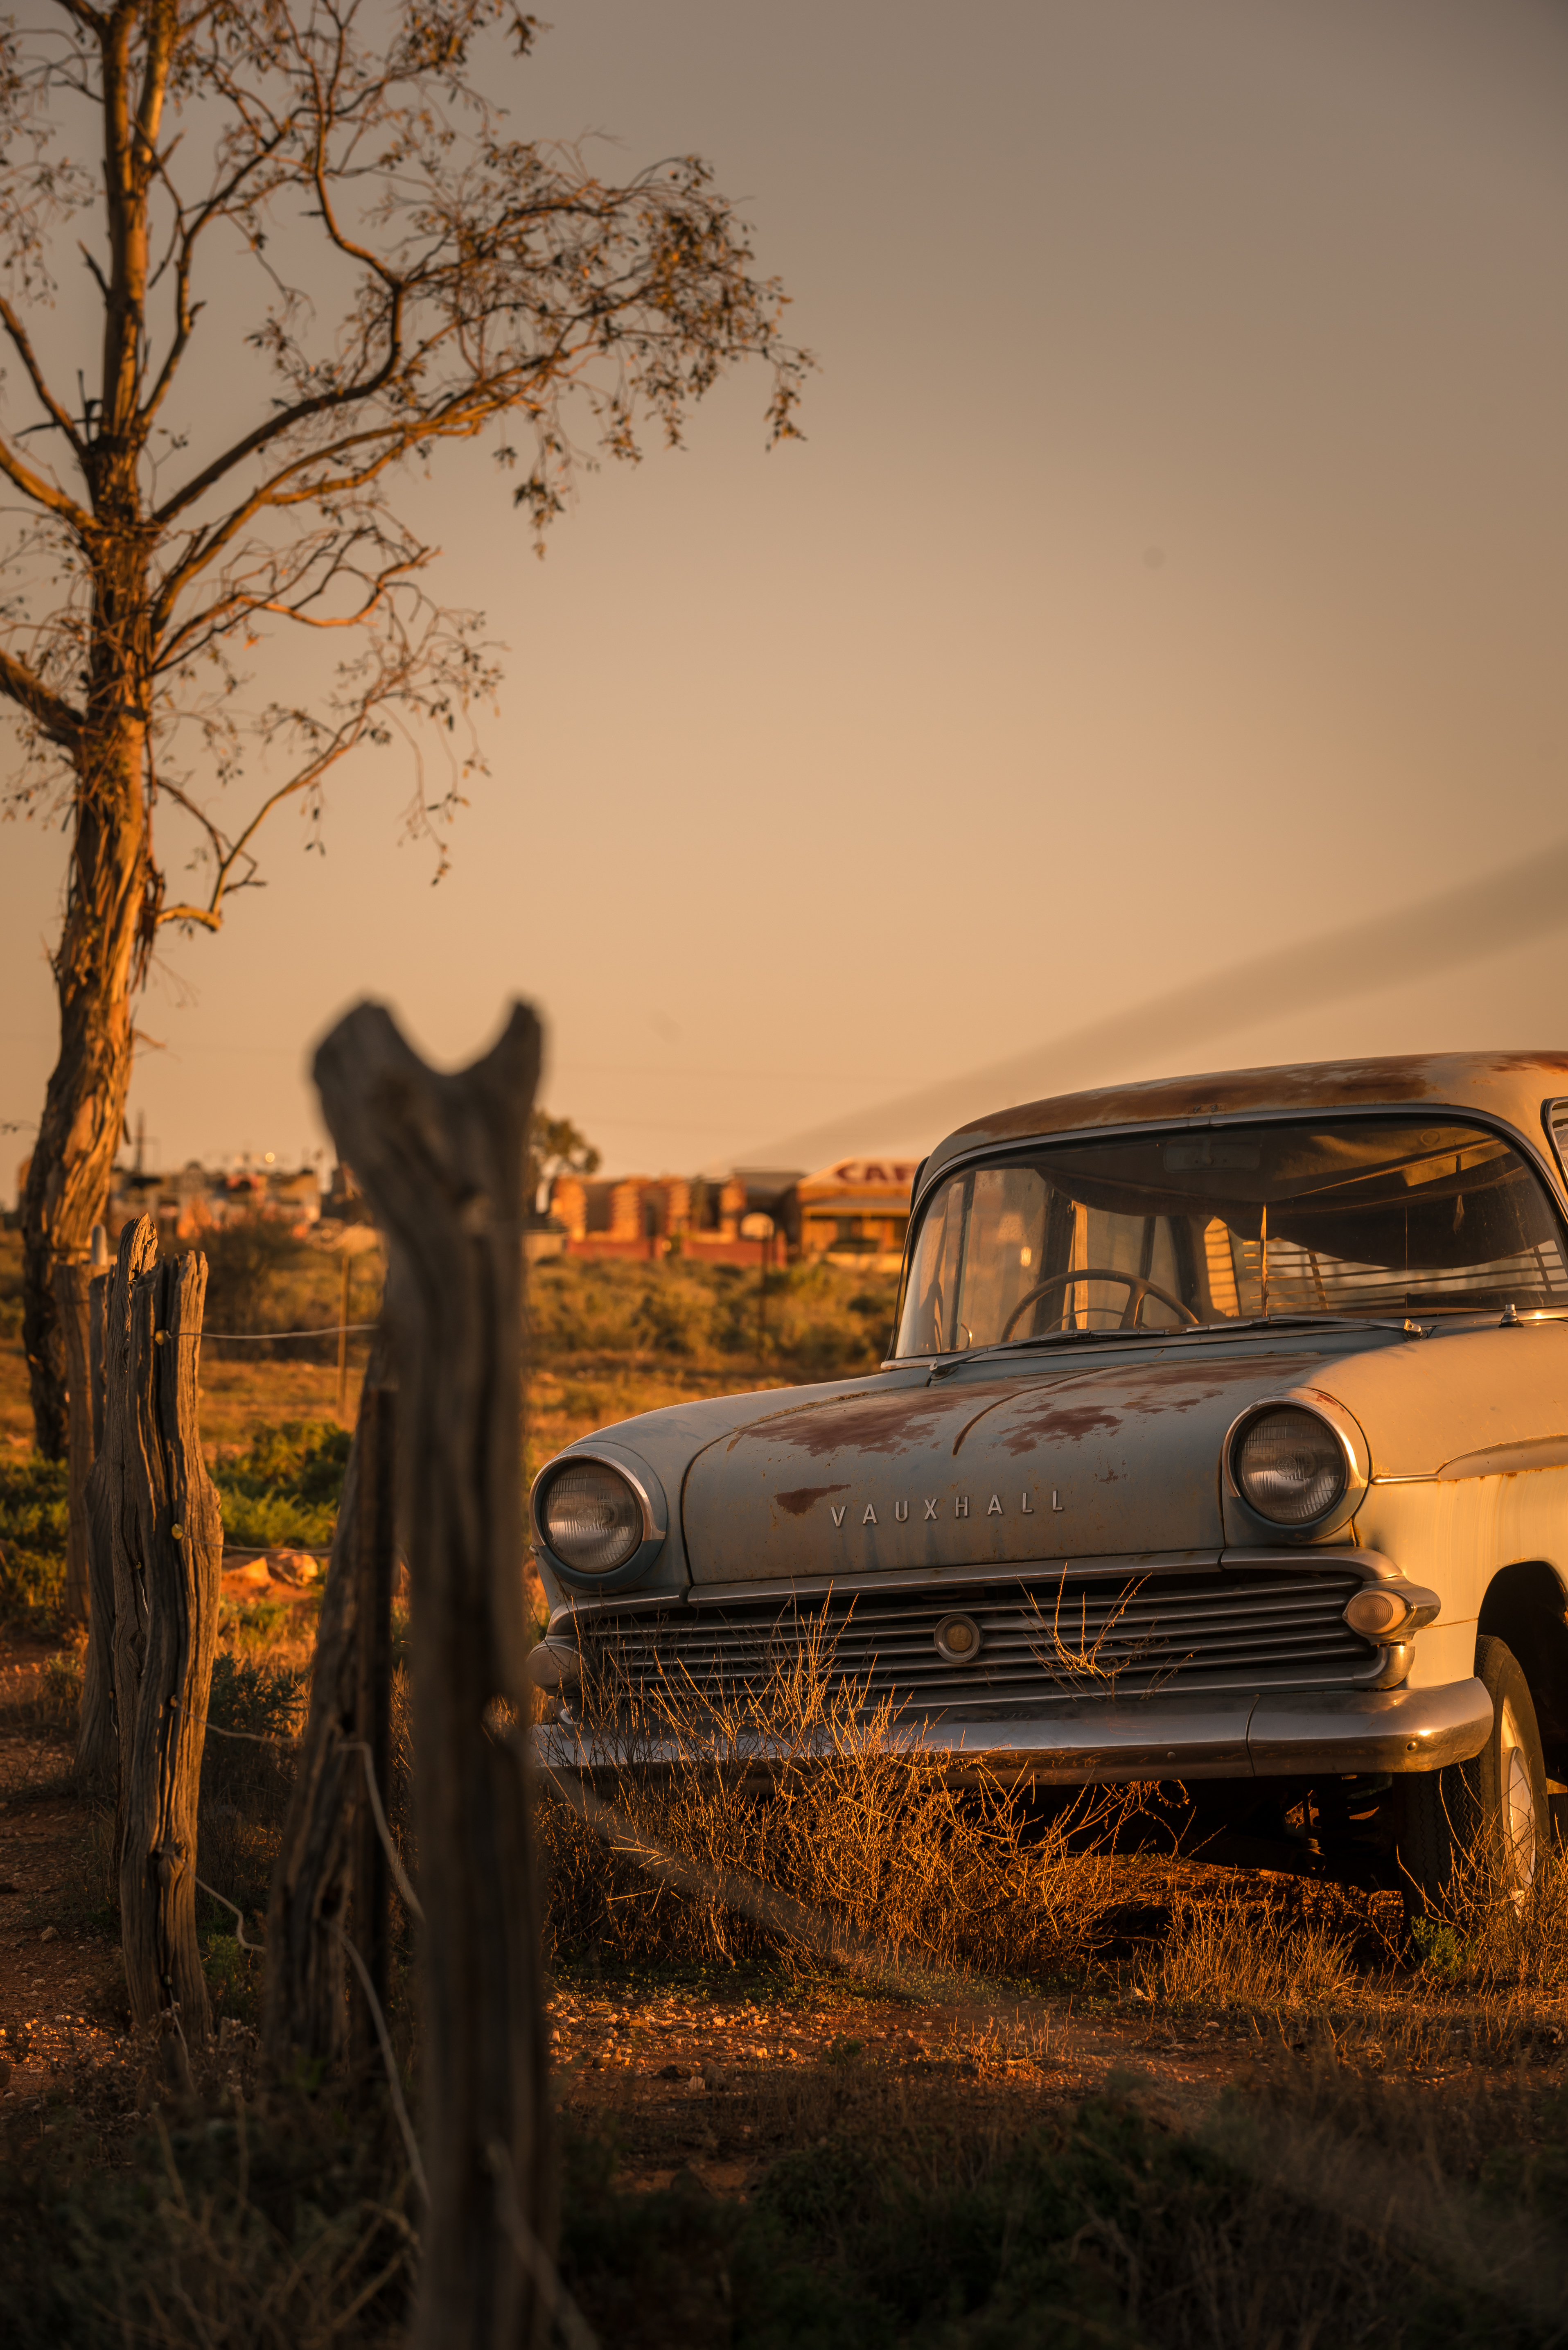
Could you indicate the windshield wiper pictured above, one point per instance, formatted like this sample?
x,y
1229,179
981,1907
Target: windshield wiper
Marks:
x,y
1306,1322
1050,1338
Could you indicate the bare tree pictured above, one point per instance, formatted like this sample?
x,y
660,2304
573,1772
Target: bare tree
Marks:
x,y
420,277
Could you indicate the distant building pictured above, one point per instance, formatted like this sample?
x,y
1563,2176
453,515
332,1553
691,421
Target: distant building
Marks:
x,y
855,1213
652,1216
197,1199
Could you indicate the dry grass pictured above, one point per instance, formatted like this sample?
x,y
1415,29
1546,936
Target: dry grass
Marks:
x,y
1233,1951
256,2220
1486,1937
799,1789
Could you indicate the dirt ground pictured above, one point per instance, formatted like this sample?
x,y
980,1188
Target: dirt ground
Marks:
x,y
712,2074
61,1989
706,2075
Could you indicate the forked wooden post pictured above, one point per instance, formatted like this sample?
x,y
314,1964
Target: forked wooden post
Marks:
x,y
441,1160
173,1533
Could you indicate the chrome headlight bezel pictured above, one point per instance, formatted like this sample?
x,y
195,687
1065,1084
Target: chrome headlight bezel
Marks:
x,y
1348,1441
646,1490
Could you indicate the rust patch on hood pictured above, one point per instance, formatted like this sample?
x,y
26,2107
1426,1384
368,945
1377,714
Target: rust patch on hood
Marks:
x,y
1124,1389
1072,1421
798,1501
1151,1390
889,1423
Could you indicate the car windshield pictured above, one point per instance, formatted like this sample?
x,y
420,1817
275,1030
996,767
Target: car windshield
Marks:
x,y
1157,1231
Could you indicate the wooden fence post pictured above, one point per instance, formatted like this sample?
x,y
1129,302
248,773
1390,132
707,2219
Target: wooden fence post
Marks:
x,y
441,1160
71,1307
98,1747
112,1671
305,2012
172,1516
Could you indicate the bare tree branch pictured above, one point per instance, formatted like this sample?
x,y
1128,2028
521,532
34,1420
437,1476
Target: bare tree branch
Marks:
x,y
22,345
57,720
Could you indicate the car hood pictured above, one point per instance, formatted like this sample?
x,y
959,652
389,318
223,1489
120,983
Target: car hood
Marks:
x,y
1116,1459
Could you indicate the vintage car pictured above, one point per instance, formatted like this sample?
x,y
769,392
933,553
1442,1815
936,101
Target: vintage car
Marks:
x,y
1223,1442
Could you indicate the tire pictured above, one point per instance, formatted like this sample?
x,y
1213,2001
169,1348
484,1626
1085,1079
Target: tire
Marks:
x,y
1488,1819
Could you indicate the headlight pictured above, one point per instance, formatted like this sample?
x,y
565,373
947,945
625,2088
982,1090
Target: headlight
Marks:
x,y
592,1517
1288,1466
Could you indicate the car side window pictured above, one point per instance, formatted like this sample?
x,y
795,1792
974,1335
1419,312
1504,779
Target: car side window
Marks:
x,y
1557,1127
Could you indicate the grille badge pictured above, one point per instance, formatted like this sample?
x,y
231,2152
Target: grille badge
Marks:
x,y
958,1640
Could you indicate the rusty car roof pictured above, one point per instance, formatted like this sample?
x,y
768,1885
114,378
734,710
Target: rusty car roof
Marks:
x,y
1513,1086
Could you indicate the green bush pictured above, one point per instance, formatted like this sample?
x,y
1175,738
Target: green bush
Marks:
x,y
34,1508
250,1696
246,1782
1099,2231
252,1264
675,1314
285,1487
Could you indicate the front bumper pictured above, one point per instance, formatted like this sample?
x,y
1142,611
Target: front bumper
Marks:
x,y
1291,1734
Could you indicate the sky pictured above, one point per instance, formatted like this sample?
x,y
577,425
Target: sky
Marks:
x,y
1170,587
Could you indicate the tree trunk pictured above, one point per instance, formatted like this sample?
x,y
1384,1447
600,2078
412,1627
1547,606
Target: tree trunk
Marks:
x,y
306,2011
67,1190
71,1309
179,1532
441,1160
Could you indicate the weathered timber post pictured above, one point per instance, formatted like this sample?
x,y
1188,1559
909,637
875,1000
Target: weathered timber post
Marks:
x,y
441,1160
305,2011
172,1517
98,1747
113,1659
71,1315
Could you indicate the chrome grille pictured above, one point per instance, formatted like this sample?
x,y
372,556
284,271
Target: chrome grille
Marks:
x,y
1055,1638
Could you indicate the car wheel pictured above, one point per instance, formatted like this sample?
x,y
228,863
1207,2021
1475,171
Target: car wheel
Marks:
x,y
1488,1818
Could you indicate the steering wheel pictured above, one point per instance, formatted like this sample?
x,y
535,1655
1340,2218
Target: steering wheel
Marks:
x,y
1136,1285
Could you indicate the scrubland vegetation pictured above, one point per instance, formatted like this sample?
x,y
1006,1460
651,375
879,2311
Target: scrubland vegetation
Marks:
x,y
861,2061
814,1321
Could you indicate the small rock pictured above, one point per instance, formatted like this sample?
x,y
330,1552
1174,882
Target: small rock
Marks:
x,y
672,2071
50,1934
292,1565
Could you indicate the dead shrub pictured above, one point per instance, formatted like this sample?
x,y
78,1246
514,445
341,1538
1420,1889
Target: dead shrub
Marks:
x,y
799,1787
1232,1951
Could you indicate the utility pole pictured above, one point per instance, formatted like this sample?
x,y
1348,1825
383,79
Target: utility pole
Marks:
x,y
760,1228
